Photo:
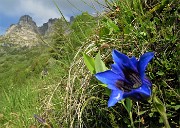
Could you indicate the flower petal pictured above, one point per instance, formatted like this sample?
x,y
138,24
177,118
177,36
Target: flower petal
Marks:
x,y
117,70
144,91
116,95
139,94
143,62
109,77
147,81
134,61
122,60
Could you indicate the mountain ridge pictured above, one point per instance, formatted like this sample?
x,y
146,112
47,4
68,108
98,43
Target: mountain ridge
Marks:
x,y
26,32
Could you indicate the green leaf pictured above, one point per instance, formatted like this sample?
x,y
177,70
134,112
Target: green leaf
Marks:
x,y
112,26
103,31
160,73
161,120
99,64
177,107
103,85
159,106
151,114
141,112
128,104
90,63
107,91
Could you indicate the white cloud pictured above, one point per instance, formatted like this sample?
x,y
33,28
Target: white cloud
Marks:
x,y
42,10
38,10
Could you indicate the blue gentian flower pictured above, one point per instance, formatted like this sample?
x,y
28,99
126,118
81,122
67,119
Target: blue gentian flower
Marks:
x,y
127,78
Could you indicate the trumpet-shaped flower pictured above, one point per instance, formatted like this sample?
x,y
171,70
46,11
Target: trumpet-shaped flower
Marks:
x,y
127,78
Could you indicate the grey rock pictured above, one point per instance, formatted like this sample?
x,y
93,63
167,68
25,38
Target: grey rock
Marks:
x,y
26,33
47,28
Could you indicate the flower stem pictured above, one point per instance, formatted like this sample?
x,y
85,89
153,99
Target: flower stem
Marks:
x,y
131,119
166,122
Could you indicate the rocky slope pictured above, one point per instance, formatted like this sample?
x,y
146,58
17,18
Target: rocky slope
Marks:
x,y
26,33
47,28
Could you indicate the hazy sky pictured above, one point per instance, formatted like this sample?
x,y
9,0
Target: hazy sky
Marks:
x,y
42,10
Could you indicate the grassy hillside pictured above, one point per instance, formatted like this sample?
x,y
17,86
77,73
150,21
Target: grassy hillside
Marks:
x,y
53,82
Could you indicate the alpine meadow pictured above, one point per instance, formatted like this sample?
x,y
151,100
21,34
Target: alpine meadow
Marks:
x,y
118,68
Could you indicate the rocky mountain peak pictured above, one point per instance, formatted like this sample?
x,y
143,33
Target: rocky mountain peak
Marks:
x,y
27,22
46,28
26,19
24,33
71,19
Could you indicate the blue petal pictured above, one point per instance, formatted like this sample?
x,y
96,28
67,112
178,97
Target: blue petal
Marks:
x,y
144,90
117,70
122,60
116,95
134,61
139,94
109,77
147,81
143,62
